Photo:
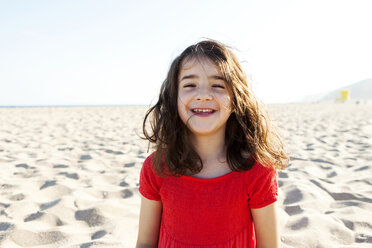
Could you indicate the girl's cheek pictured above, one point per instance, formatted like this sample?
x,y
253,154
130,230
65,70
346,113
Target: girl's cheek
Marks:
x,y
182,102
228,103
225,98
185,96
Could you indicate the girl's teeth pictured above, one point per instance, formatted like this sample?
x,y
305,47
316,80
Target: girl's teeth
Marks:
x,y
203,110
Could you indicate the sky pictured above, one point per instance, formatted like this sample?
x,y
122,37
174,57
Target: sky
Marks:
x,y
90,52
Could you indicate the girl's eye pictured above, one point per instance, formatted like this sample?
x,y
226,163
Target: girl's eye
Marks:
x,y
189,85
218,86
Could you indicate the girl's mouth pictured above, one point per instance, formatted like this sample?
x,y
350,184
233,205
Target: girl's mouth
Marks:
x,y
203,111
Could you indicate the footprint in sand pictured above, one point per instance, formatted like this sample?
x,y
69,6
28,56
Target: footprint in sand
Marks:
x,y
363,168
91,216
100,244
66,149
295,158
3,205
85,157
331,174
99,234
348,197
34,216
124,184
57,166
114,152
17,197
129,164
293,210
22,166
27,238
70,175
283,175
49,204
363,238
293,196
87,245
300,224
48,184
51,219
126,193
6,226
349,224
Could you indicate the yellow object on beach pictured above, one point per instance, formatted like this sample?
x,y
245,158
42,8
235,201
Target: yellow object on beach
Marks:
x,y
344,95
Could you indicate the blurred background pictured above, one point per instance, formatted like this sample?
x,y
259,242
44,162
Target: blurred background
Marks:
x,y
115,52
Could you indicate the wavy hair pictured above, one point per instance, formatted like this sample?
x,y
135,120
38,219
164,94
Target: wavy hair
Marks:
x,y
249,129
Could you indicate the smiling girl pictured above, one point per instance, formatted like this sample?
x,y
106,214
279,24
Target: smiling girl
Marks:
x,y
212,178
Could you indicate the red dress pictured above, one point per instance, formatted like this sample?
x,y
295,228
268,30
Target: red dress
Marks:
x,y
209,213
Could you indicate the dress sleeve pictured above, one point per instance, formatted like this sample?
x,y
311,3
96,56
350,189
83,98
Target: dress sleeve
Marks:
x,y
149,183
263,186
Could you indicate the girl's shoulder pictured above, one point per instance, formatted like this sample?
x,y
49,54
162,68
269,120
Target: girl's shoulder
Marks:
x,y
148,161
148,165
259,173
150,182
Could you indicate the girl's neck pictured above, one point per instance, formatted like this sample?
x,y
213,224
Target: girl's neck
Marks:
x,y
210,148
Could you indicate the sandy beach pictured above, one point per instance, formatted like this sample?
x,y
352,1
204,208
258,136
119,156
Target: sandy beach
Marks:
x,y
69,176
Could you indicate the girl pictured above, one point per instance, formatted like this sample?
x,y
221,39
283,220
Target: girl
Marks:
x,y
212,180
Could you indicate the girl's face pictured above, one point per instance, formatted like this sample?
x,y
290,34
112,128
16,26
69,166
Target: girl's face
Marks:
x,y
204,102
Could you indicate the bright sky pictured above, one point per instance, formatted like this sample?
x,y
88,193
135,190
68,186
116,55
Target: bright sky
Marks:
x,y
118,52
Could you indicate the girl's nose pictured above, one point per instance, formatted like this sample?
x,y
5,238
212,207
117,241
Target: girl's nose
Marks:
x,y
203,95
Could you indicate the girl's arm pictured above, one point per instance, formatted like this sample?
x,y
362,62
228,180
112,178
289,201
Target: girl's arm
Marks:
x,y
149,223
266,225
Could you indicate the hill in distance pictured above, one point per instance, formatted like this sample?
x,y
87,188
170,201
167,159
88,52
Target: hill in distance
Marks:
x,y
359,91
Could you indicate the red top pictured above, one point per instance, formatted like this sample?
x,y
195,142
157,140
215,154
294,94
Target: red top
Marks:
x,y
208,213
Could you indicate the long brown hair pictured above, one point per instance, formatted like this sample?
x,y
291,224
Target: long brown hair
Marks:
x,y
249,129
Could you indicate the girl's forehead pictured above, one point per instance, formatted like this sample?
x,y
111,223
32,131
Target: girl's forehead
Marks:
x,y
190,62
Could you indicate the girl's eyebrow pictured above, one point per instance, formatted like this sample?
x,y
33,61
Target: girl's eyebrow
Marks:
x,y
192,76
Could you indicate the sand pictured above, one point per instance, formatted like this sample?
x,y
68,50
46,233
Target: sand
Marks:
x,y
69,176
